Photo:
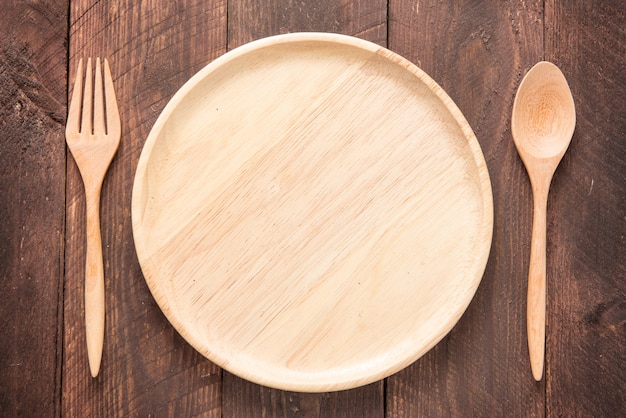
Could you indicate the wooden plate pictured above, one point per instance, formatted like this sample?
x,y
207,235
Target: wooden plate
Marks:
x,y
312,212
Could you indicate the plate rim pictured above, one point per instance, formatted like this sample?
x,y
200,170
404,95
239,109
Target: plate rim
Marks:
x,y
332,38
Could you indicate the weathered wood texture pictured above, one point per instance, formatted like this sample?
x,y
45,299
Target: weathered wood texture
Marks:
x,y
484,360
147,369
245,399
33,40
478,51
586,265
253,19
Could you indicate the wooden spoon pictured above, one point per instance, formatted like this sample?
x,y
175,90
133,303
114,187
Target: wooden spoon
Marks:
x,y
542,126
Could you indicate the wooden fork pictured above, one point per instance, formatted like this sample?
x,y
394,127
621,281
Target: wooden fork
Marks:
x,y
93,139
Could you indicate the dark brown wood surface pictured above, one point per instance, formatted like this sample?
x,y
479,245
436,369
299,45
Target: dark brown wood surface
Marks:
x,y
477,51
33,65
586,327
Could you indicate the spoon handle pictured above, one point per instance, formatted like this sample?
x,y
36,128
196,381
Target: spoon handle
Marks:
x,y
536,302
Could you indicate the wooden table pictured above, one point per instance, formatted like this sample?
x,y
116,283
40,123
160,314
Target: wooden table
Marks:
x,y
477,51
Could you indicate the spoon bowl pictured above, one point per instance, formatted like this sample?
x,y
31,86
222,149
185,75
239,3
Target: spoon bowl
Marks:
x,y
542,125
543,114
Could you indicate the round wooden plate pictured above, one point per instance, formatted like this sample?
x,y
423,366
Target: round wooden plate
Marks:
x,y
312,212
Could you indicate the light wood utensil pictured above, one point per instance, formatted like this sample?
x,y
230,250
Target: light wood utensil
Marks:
x,y
542,125
312,212
93,135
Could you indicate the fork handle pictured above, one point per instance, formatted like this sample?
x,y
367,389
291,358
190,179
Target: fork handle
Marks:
x,y
536,301
94,283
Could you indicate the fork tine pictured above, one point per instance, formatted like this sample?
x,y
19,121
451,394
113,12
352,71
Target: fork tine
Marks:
x,y
73,116
113,115
87,121
98,106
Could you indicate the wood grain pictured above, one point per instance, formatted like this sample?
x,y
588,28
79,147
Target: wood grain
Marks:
x,y
93,143
484,361
147,369
247,399
33,38
253,19
542,123
586,266
478,51
333,234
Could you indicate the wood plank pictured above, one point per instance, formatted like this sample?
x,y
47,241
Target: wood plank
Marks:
x,y
33,38
481,368
245,399
253,19
586,317
147,368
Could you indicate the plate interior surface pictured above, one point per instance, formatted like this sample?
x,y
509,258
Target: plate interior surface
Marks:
x,y
312,212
